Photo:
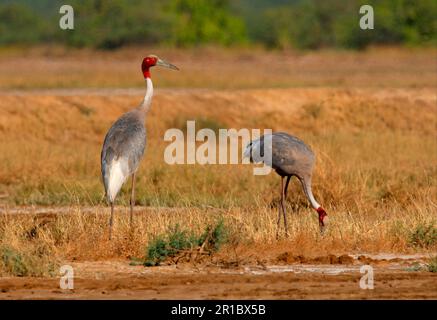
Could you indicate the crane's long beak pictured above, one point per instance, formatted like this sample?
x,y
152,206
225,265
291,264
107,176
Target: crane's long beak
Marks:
x,y
163,63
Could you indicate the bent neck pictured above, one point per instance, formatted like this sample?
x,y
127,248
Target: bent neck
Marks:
x,y
147,102
306,184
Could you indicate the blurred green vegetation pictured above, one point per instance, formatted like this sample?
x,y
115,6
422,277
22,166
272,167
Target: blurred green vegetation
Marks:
x,y
306,24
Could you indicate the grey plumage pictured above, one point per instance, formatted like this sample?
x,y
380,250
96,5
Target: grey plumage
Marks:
x,y
125,139
122,151
290,157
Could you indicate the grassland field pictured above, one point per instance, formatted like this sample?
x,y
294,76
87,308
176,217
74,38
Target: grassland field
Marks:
x,y
370,117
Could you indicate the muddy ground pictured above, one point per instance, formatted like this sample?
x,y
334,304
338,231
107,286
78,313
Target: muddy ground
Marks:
x,y
282,275
395,277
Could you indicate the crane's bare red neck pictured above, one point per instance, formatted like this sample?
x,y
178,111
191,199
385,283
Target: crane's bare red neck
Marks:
x,y
148,62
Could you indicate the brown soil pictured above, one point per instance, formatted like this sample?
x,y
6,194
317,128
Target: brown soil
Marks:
x,y
119,280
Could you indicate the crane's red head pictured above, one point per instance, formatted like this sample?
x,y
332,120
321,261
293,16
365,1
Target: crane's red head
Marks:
x,y
151,61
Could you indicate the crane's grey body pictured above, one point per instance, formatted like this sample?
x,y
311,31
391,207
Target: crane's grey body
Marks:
x,y
122,151
290,157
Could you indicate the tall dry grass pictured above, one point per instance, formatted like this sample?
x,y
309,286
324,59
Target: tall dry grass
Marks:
x,y
43,243
373,146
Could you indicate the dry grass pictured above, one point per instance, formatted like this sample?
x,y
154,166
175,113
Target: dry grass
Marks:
x,y
48,67
376,171
79,236
373,146
375,174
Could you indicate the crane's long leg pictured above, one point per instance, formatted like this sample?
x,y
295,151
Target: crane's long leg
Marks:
x,y
132,200
283,195
111,220
286,186
282,208
283,205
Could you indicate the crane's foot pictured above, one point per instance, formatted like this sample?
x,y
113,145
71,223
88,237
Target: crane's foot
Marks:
x,y
285,233
322,230
110,230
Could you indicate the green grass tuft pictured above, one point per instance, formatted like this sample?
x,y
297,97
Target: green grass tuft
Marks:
x,y
13,262
215,237
415,267
34,263
423,236
177,240
432,265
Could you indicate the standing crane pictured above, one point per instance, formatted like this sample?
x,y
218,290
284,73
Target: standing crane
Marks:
x,y
125,142
290,157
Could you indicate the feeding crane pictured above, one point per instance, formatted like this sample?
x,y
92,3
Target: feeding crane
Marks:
x,y
125,142
290,157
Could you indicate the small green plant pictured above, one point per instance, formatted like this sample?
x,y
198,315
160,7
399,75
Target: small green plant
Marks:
x,y
423,236
415,267
134,261
215,237
432,265
177,241
13,262
36,262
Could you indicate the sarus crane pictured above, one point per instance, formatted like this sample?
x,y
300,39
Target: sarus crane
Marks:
x,y
290,157
125,142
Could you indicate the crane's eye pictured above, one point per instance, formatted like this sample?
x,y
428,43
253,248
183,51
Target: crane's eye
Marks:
x,y
151,61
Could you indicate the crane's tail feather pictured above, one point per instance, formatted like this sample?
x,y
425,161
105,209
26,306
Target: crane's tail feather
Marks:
x,y
247,150
259,150
118,173
252,149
